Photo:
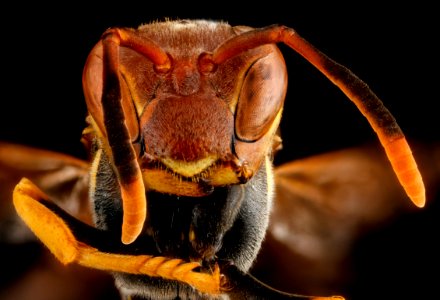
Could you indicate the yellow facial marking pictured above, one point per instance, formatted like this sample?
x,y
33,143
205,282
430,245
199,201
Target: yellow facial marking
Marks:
x,y
189,169
223,176
165,182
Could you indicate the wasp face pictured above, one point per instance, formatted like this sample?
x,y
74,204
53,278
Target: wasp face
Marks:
x,y
202,141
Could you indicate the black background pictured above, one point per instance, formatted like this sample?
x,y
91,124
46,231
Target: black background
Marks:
x,y
392,48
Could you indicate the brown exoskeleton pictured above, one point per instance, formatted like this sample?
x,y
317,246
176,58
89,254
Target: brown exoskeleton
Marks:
x,y
183,120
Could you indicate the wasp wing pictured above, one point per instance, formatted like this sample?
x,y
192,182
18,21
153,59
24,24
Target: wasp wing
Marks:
x,y
29,271
324,205
64,178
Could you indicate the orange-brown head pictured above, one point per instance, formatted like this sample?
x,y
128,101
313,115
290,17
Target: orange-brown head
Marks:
x,y
191,124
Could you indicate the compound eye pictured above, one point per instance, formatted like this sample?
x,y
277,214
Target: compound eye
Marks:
x,y
261,96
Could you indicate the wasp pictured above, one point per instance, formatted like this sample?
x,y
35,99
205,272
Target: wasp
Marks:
x,y
182,129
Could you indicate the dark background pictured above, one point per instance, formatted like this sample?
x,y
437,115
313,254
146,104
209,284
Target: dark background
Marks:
x,y
392,48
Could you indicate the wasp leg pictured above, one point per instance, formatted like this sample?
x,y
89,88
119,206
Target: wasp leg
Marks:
x,y
49,228
53,228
